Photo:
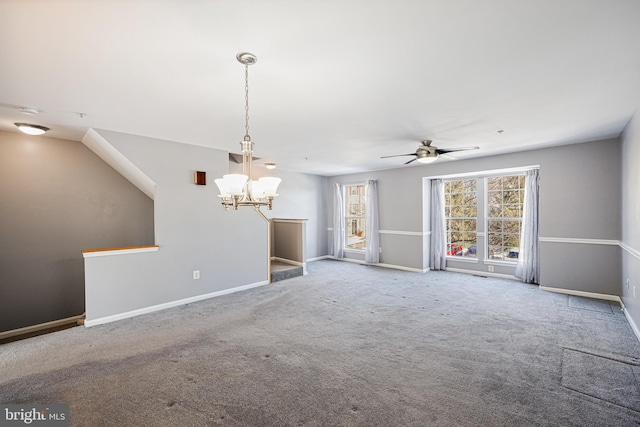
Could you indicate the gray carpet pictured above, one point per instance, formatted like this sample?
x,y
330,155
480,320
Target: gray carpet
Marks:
x,y
346,345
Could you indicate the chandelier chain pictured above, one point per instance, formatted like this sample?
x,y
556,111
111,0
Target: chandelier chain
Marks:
x,y
246,99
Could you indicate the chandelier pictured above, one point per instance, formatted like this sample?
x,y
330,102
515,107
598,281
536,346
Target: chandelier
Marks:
x,y
239,189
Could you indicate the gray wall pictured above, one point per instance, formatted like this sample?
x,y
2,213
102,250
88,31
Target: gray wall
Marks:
x,y
193,232
401,215
300,196
579,203
56,199
630,217
289,239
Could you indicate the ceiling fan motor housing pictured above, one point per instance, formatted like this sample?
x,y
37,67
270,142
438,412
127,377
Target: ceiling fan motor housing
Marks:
x,y
426,152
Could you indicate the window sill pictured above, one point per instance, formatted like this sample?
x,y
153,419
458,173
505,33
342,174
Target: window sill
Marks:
x,y
355,251
462,259
498,262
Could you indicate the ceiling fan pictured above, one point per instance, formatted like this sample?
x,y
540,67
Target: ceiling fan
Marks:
x,y
427,153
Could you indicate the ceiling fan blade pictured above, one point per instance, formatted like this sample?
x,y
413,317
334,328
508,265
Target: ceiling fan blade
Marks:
x,y
398,155
412,160
451,150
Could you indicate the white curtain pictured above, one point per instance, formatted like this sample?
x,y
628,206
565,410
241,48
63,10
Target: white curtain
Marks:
x,y
438,226
528,269
338,223
372,247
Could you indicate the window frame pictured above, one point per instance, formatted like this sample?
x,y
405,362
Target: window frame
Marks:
x,y
463,258
482,213
486,208
347,216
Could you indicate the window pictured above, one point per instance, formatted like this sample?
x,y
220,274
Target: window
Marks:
x,y
355,216
505,196
461,217
499,208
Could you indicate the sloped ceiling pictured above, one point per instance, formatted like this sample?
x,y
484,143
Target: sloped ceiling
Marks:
x,y
337,83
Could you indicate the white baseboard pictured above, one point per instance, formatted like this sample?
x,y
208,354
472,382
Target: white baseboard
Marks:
x,y
42,326
633,325
318,258
400,267
593,295
151,309
392,266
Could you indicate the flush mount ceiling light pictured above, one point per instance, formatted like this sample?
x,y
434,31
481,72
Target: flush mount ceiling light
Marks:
x,y
238,189
31,129
270,165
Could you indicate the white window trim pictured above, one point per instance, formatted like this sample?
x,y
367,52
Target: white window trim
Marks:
x,y
520,170
344,214
487,260
462,258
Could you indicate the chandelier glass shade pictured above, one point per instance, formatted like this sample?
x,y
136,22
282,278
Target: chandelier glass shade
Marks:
x,y
239,189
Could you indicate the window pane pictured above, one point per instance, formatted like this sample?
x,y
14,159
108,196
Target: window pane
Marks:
x,y
469,238
470,225
512,240
495,252
511,226
510,182
494,184
457,211
457,225
469,186
512,211
494,197
495,239
495,211
470,212
495,226
511,197
456,237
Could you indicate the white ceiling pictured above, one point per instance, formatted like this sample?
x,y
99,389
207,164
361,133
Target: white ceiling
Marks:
x,y
337,83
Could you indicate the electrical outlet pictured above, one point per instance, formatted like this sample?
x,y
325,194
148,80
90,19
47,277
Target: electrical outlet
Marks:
x,y
490,269
196,274
380,248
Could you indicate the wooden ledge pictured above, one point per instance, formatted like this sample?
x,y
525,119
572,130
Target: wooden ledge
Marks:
x,y
87,253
